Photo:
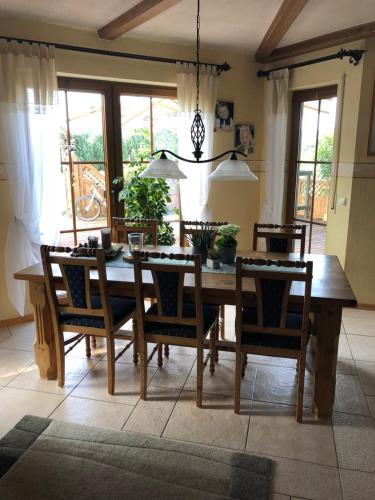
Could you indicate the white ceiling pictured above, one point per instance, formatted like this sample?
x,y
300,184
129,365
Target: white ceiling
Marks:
x,y
234,24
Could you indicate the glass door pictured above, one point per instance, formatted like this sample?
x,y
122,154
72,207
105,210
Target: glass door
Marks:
x,y
314,113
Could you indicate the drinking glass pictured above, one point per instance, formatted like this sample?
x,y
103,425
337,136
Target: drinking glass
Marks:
x,y
135,242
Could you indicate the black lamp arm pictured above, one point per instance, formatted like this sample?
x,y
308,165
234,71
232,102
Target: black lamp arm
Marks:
x,y
232,151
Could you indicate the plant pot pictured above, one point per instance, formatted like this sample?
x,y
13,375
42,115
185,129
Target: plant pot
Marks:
x,y
213,263
202,251
227,254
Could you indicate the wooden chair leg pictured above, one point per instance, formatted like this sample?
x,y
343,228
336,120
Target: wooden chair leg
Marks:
x,y
166,350
135,342
212,349
160,355
111,364
301,386
88,348
243,364
222,322
93,342
199,375
60,359
237,381
143,363
217,328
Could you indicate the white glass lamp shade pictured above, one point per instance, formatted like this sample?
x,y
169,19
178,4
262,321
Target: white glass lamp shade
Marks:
x,y
233,170
162,168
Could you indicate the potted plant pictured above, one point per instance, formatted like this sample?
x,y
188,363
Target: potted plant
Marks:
x,y
213,259
227,243
201,240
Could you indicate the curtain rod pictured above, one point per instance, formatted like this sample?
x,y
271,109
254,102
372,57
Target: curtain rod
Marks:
x,y
355,55
219,67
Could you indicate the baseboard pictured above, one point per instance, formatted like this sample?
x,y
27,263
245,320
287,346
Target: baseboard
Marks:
x,y
369,307
16,321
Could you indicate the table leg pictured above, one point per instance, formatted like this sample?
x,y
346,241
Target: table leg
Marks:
x,y
44,347
328,334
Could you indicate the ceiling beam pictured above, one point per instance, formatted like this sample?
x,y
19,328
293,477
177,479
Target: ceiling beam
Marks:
x,y
323,42
140,13
283,20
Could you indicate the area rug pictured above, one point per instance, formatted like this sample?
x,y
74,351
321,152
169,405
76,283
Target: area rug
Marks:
x,y
42,458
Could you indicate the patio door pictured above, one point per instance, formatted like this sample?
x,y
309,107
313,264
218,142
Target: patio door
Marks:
x,y
313,127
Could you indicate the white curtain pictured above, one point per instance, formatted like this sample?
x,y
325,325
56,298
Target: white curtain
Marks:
x,y
30,142
276,107
194,190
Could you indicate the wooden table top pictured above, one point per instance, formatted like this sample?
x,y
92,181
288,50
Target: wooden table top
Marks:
x,y
329,280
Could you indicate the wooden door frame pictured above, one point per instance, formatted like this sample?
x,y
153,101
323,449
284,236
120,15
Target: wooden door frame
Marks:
x,y
300,96
112,136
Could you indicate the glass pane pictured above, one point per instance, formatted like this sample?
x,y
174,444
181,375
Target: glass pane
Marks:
x,y
164,124
62,127
67,216
85,111
326,129
321,192
89,185
135,128
309,124
318,239
304,189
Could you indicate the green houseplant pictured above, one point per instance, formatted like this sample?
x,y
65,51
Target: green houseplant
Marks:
x,y
227,243
202,239
146,199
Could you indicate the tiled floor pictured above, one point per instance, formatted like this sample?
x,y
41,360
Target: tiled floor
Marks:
x,y
316,460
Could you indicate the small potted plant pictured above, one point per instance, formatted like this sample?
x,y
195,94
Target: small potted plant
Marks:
x,y
201,240
213,259
227,243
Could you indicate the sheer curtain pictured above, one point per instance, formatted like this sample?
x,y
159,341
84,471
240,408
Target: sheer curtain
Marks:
x,y
29,133
194,189
276,124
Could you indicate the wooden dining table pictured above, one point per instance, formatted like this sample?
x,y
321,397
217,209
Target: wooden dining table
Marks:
x,y
331,292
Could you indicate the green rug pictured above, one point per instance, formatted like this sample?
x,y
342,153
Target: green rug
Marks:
x,y
42,458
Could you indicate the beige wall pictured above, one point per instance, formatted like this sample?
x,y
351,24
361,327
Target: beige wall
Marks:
x,y
231,201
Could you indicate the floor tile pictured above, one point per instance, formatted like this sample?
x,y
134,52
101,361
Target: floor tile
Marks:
x,y
305,480
355,441
127,357
13,362
271,360
357,485
279,385
24,340
344,349
359,322
174,372
215,424
179,349
151,416
92,412
4,334
349,397
342,328
127,384
363,348
346,366
79,350
75,370
222,382
366,373
28,327
371,406
274,431
277,496
19,402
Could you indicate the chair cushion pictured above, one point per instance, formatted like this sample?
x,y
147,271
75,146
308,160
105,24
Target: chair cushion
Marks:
x,y
293,321
121,307
210,313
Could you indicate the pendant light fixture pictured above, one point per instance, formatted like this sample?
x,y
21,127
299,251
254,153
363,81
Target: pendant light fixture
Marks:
x,y
231,169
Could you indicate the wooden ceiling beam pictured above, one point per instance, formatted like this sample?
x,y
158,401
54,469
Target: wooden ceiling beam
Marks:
x,y
322,42
283,20
140,13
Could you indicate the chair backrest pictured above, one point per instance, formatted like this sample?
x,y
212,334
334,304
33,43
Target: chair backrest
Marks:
x,y
280,237
168,282
121,227
190,227
74,274
273,280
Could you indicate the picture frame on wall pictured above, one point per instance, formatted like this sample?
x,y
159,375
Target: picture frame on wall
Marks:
x,y
371,135
224,114
244,138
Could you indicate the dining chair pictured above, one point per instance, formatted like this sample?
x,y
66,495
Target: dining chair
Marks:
x,y
189,228
280,237
121,228
88,310
269,329
173,320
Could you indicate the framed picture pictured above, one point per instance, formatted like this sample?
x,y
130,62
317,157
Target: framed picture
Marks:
x,y
224,112
371,135
244,138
